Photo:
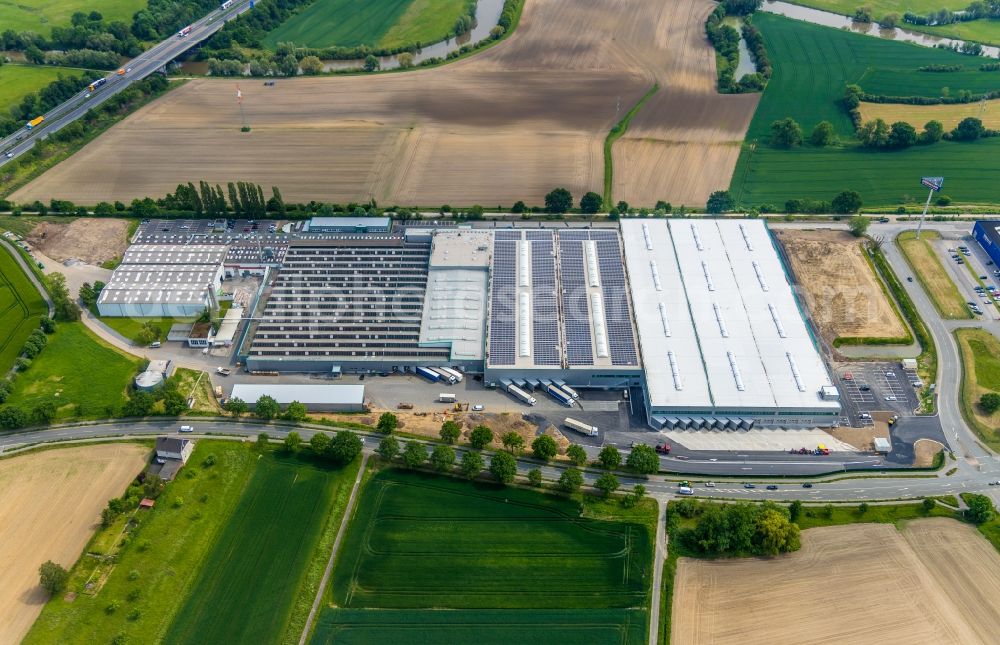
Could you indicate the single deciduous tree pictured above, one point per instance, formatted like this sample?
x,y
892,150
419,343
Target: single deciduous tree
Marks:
x,y
503,466
442,458
535,477
559,200
786,133
822,135
266,408
577,455
591,203
236,407
414,454
989,402
609,457
607,484
292,441
387,423
980,508
52,577
544,447
643,459
480,437
295,412
512,442
472,464
450,431
570,480
388,448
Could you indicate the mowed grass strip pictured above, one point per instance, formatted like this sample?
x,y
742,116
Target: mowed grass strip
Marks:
x,y
21,307
376,23
926,264
980,374
419,541
246,587
812,65
78,373
481,626
166,551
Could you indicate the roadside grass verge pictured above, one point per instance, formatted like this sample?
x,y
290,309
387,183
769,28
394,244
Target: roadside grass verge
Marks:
x,y
130,327
931,274
815,515
78,373
980,354
253,576
616,133
166,547
21,309
927,359
198,386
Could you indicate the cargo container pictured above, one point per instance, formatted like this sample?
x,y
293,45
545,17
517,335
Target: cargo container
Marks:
x,y
184,32
428,374
521,394
445,376
581,427
453,372
34,122
568,390
444,397
559,395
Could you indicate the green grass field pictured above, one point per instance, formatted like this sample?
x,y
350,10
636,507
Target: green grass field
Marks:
x,y
41,15
21,307
424,543
166,551
75,369
480,626
376,23
983,31
980,352
249,582
812,65
18,80
926,264
130,327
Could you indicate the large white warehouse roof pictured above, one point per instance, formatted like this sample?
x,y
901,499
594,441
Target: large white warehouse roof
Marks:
x,y
718,324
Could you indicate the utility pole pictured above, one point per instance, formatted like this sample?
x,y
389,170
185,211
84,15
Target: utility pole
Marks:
x,y
243,119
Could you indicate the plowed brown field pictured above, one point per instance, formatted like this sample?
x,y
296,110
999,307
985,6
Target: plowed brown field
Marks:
x,y
935,581
509,123
50,505
842,292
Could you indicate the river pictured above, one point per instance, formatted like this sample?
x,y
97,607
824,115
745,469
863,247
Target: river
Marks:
x,y
837,21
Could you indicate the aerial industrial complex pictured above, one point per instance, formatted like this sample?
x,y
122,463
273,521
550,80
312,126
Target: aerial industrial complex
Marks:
x,y
700,315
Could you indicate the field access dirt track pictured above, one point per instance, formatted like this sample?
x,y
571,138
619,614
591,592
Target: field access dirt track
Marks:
x,y
50,505
936,581
509,123
843,295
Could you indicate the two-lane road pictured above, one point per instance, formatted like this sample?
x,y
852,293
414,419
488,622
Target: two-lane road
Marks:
x,y
146,63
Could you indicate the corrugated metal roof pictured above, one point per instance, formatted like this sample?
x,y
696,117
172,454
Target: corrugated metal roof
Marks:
x,y
307,394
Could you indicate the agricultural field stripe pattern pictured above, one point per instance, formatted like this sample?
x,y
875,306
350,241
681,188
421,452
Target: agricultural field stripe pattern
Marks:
x,y
21,307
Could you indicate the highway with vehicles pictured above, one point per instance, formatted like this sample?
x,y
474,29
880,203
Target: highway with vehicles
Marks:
x,y
101,89
869,486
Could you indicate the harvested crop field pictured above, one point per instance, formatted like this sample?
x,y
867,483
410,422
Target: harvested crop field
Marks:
x,y
91,239
844,297
509,123
50,504
934,581
948,115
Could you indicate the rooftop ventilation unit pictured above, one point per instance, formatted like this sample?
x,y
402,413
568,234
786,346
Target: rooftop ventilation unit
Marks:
x,y
760,275
697,237
524,265
736,371
746,237
523,320
675,372
600,333
777,320
719,319
656,275
795,372
649,239
663,318
708,276
591,251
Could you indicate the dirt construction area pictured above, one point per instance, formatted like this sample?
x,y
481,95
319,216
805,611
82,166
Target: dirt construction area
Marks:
x,y
50,505
844,297
935,581
91,239
509,123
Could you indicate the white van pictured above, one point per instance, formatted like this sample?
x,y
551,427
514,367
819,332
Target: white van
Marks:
x,y
187,429
154,345
685,490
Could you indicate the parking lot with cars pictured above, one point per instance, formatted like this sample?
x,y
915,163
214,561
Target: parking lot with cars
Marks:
x,y
979,286
867,387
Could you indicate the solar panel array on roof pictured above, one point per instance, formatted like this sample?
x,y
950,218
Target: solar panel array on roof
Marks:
x,y
576,312
621,340
352,301
504,290
545,314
